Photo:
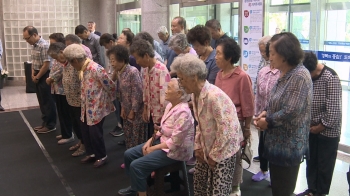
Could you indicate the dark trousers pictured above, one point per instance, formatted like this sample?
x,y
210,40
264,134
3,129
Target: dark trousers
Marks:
x,y
117,111
264,163
74,114
46,101
319,169
150,127
348,177
93,139
283,179
63,116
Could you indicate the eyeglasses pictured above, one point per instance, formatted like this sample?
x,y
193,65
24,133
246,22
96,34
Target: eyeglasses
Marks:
x,y
27,38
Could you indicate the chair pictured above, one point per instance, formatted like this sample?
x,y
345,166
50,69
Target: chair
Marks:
x,y
156,188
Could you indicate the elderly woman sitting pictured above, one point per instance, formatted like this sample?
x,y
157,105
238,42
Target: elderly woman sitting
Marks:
x,y
218,133
97,94
176,134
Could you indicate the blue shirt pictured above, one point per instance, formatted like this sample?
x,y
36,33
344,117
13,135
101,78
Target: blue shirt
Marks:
x,y
165,48
210,63
170,58
93,43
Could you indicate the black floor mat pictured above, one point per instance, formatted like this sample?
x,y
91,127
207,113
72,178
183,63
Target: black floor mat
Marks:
x,y
26,171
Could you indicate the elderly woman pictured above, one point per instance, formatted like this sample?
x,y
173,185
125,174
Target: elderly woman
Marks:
x,y
97,94
264,61
55,81
129,89
218,133
74,39
200,37
238,86
174,141
155,77
267,79
286,119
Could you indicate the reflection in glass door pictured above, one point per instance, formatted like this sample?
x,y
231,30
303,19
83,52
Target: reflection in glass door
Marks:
x,y
301,27
130,19
277,22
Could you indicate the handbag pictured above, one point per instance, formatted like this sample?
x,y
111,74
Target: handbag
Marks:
x,y
247,152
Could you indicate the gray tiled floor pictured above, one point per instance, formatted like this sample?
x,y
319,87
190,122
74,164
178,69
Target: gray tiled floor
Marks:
x,y
15,98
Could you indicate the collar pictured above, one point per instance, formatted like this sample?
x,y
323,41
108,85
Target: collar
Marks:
x,y
37,43
290,73
204,90
90,36
211,56
318,77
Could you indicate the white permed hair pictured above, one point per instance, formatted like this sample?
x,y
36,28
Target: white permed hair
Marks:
x,y
190,65
163,30
178,41
74,51
184,97
264,40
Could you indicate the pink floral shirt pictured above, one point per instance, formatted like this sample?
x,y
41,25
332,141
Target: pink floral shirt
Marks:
x,y
177,131
97,94
266,80
218,131
56,71
155,83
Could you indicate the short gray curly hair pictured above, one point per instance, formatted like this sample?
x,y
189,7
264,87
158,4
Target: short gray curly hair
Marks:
x,y
264,40
74,51
163,30
184,97
179,41
190,65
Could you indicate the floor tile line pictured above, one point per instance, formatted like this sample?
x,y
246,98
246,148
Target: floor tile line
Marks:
x,y
48,157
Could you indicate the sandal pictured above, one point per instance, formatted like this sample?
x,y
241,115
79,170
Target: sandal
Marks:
x,y
75,147
78,153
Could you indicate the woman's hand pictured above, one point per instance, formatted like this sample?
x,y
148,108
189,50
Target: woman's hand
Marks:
x,y
122,113
317,129
157,128
150,149
199,155
145,117
261,124
144,148
212,163
49,81
131,115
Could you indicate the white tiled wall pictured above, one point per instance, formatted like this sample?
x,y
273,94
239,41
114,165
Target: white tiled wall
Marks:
x,y
48,16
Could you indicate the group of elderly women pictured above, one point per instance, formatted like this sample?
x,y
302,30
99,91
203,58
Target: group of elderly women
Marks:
x,y
209,91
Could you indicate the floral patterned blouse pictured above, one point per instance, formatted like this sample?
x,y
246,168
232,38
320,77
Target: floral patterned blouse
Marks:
x,y
56,74
97,94
267,78
155,82
218,132
71,85
177,131
130,90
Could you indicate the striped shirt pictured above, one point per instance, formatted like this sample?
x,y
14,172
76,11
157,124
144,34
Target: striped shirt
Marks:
x,y
39,54
288,117
327,102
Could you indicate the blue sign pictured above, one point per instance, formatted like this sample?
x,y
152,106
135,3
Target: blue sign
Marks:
x,y
332,56
304,41
336,43
245,53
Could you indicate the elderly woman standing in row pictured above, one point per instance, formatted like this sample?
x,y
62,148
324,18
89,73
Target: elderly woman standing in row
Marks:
x,y
178,43
218,133
155,78
238,86
286,120
97,94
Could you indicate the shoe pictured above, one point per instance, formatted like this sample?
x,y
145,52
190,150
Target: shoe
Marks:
x,y
307,192
78,153
122,166
46,130
122,143
236,193
75,147
191,171
260,176
127,191
37,128
88,159
256,159
191,162
59,137
100,162
1,108
117,132
66,141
